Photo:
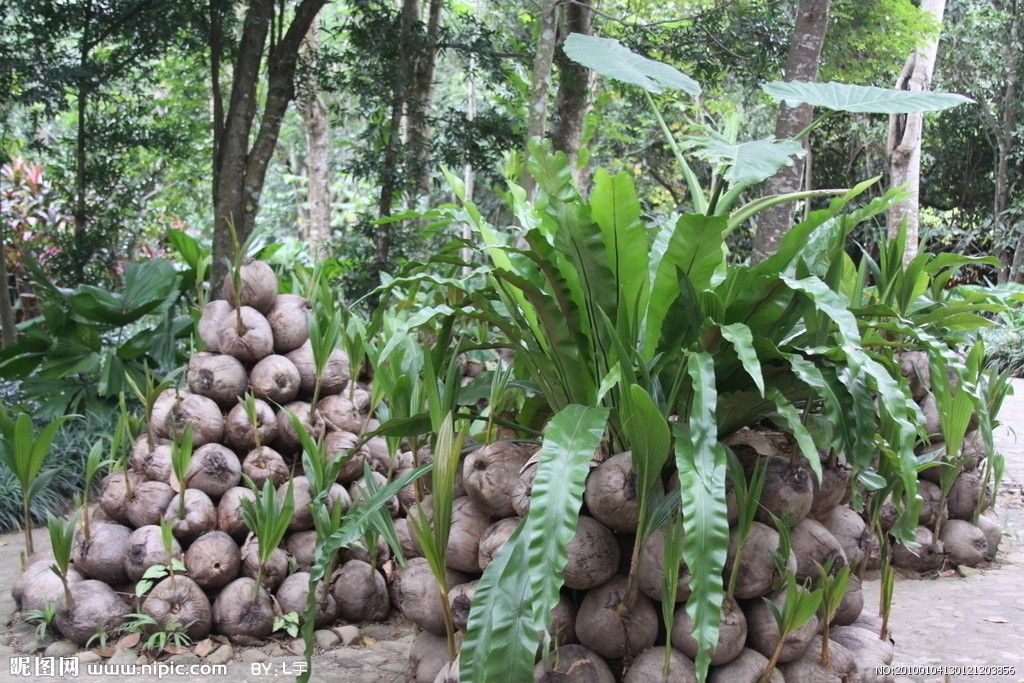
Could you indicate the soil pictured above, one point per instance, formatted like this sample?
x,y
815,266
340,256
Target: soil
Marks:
x,y
972,617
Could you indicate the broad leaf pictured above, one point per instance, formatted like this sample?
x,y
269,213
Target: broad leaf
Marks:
x,y
862,99
610,58
749,162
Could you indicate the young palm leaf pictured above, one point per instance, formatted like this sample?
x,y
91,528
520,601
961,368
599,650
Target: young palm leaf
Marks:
x,y
181,457
799,607
268,519
62,535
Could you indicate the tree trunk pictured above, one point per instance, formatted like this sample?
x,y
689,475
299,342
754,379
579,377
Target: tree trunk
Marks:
x,y
543,58
216,52
904,143
1011,115
419,104
82,97
7,321
801,65
243,169
571,101
318,177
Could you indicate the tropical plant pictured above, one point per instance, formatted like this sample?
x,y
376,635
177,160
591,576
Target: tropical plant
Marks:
x,y
287,623
832,585
268,518
799,606
62,535
159,571
181,458
159,636
42,618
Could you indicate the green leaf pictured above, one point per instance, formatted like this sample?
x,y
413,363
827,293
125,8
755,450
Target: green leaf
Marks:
x,y
791,418
742,341
650,440
749,162
616,210
861,99
609,58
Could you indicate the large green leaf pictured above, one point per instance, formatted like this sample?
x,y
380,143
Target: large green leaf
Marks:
x,y
650,441
752,161
615,208
742,340
862,99
610,58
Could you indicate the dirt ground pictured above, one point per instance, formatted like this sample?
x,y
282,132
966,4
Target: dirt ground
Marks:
x,y
973,620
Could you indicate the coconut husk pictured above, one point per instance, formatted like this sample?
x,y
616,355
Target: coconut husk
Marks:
x,y
787,491
613,635
926,557
287,443
357,551
216,376
200,516
932,509
763,631
651,569
489,475
213,470
732,633
178,600
201,413
210,322
748,667
593,555
611,494
342,414
302,495
809,669
469,523
932,421
101,555
332,380
301,546
161,410
964,543
292,595
274,571
868,650
114,494
360,592
993,530
523,489
757,572
814,546
915,368
851,605
249,339
375,453
649,667
449,673
410,548
38,585
239,432
229,512
850,530
572,664
213,560
275,379
145,549
265,464
142,454
341,444
148,502
239,616
493,540
562,624
95,607
835,485
415,592
259,285
289,321
427,656
965,494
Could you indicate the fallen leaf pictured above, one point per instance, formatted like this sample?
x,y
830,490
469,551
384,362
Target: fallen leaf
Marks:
x,y
130,640
105,651
997,620
204,647
175,649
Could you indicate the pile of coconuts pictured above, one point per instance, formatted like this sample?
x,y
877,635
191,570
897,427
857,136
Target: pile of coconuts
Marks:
x,y
259,348
592,641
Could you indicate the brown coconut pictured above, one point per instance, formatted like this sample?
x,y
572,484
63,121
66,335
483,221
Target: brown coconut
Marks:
x,y
246,335
932,508
341,444
95,608
868,650
287,442
239,432
748,667
926,557
809,669
292,595
240,616
265,464
200,516
469,524
593,555
216,376
611,494
649,667
763,631
993,530
274,571
332,380
101,555
114,491
651,569
210,322
302,496
38,585
460,600
562,624
148,502
301,545
494,539
815,546
153,462
427,656
915,368
601,627
835,484
342,414
965,494
275,379
375,452
213,560
358,551
523,489
964,543
146,549
213,470
158,415
787,490
289,321
178,600
757,572
201,413
259,286
358,492
850,530
410,548
415,592
229,512
572,664
851,605
360,592
732,633
490,473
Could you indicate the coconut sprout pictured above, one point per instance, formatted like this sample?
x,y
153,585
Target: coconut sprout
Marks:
x,y
268,519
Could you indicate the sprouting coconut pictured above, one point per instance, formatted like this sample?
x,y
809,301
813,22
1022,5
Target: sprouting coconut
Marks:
x,y
294,591
932,509
229,512
101,555
915,368
494,539
415,592
94,607
732,633
302,495
210,323
289,321
201,413
410,548
757,572
216,376
469,524
276,379
213,560
748,667
963,542
265,464
259,285
179,600
38,585
200,515
926,557
787,490
610,631
332,380
245,334
814,546
809,668
651,569
835,484
593,555
301,545
850,530
358,492
341,413
340,444
522,489
460,600
974,450
243,612
649,667
611,494
155,461
851,605
275,569
287,442
148,502
361,592
239,432
116,491
868,650
965,494
375,452
146,549
763,630
572,664
993,531
427,656
160,412
357,551
490,473
213,470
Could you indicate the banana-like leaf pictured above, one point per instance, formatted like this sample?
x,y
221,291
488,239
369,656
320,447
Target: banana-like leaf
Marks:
x,y
861,99
749,162
650,440
610,58
615,208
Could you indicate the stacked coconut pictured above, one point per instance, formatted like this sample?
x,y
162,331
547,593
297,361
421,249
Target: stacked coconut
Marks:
x,y
596,642
946,534
259,349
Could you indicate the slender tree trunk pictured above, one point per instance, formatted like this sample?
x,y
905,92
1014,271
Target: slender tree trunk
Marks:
x,y
540,84
318,177
1011,116
216,52
801,65
420,101
574,80
82,96
905,131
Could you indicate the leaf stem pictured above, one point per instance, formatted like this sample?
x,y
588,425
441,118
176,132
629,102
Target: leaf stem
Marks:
x,y
693,184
